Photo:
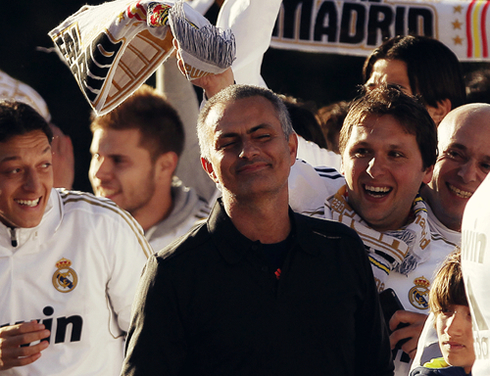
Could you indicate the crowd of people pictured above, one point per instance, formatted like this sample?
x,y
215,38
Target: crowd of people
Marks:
x,y
275,263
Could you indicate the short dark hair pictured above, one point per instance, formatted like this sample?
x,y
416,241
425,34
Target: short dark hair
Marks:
x,y
331,118
233,93
448,285
304,121
478,86
433,69
406,109
18,118
148,111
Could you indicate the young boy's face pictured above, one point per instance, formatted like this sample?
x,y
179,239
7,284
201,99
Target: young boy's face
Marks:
x,y
455,336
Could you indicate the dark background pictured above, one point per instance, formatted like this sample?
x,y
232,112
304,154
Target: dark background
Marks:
x,y
24,55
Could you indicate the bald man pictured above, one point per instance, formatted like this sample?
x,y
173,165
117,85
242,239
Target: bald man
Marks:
x,y
463,163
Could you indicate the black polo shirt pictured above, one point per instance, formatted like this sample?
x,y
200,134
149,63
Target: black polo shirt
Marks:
x,y
210,305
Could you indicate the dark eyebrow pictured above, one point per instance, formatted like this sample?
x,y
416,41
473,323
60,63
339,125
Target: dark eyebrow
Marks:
x,y
457,146
11,158
110,155
16,157
120,156
361,143
365,144
258,127
396,146
250,131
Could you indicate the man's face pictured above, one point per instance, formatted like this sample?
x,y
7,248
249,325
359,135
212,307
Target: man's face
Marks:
x,y
395,72
455,335
389,72
463,163
26,179
121,169
249,153
383,169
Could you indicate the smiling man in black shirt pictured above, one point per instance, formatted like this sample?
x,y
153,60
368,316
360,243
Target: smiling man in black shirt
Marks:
x,y
257,289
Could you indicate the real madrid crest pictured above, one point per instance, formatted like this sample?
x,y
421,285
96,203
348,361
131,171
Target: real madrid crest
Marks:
x,y
65,279
419,294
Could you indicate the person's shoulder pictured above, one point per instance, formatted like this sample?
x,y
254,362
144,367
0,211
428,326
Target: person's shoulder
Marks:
x,y
187,203
186,245
101,218
95,209
328,227
438,367
76,200
309,186
203,208
446,371
423,371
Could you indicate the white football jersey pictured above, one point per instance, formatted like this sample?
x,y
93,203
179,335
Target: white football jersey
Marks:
x,y
76,273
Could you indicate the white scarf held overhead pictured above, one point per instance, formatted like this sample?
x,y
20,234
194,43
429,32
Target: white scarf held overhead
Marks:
x,y
113,48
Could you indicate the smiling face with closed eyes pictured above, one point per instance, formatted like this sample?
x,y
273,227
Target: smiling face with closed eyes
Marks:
x,y
250,156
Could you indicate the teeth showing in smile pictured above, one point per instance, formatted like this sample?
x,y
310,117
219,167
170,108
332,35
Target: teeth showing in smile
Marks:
x,y
30,203
459,192
377,191
105,192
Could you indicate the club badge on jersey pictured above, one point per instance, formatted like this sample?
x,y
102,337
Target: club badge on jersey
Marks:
x,y
65,279
419,294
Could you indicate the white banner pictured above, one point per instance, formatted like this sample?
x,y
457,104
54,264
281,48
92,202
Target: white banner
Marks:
x,y
356,27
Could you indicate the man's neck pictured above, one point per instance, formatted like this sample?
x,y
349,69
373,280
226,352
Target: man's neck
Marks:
x,y
265,220
428,194
155,211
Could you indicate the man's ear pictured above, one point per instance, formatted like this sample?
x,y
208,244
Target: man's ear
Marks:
x,y
166,164
438,113
208,167
293,147
428,175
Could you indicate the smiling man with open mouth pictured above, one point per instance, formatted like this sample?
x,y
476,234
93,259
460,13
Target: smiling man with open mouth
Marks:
x,y
383,169
63,256
463,163
388,145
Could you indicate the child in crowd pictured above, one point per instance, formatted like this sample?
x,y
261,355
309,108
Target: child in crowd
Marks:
x,y
449,305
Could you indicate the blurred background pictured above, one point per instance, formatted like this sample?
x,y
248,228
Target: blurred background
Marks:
x,y
27,54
